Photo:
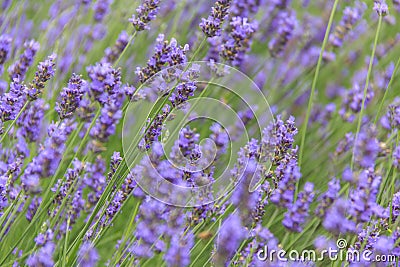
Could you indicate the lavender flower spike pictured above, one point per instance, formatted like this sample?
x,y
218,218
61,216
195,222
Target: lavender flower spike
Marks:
x,y
145,13
20,67
70,97
44,73
298,212
5,49
381,7
212,25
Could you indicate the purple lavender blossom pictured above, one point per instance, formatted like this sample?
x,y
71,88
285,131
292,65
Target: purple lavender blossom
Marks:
x,y
286,24
71,97
19,68
48,158
145,13
30,121
381,7
363,198
167,53
44,73
298,212
101,8
105,82
5,49
12,102
336,220
239,40
366,148
43,257
212,25
113,53
87,255
178,254
351,15
228,243
326,199
352,101
391,120
396,157
283,195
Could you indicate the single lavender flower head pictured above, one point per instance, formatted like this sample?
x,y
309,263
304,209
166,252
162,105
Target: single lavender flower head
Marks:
x,y
19,68
381,7
44,73
212,25
298,212
71,97
87,255
144,14
5,49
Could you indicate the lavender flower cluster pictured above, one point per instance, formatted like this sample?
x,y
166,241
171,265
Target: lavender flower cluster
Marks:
x,y
328,163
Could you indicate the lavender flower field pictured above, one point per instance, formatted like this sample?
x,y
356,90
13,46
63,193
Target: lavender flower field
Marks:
x,y
199,133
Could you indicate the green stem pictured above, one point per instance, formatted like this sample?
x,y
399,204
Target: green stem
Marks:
x,y
371,61
313,86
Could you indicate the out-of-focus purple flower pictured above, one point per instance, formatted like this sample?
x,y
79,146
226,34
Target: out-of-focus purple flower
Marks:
x,y
391,120
87,255
244,8
32,208
363,198
19,68
5,49
144,14
396,157
228,243
212,25
366,148
351,15
326,199
233,49
95,179
31,119
71,97
43,257
166,54
381,7
352,101
101,8
178,253
298,212
48,158
44,73
336,220
113,53
286,24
